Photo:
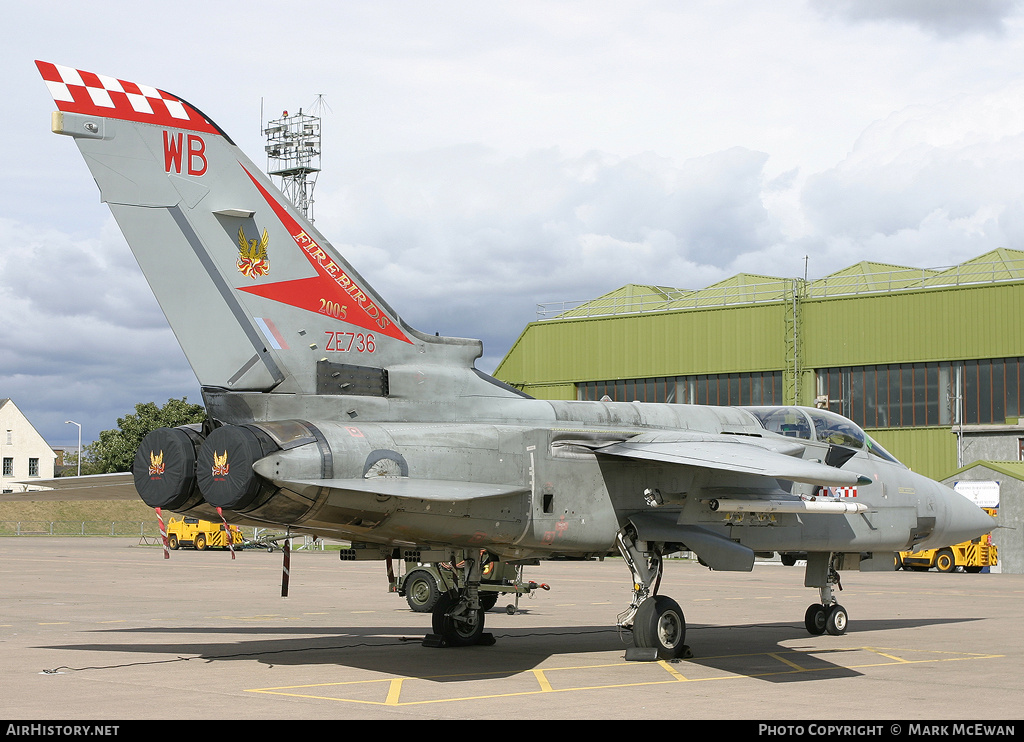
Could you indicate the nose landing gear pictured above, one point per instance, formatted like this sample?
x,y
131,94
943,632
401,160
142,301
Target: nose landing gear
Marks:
x,y
828,615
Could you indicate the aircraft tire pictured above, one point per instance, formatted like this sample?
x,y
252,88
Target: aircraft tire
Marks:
x,y
836,621
660,624
421,591
815,619
455,633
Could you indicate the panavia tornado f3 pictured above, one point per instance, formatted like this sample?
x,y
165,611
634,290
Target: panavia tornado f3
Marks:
x,y
329,415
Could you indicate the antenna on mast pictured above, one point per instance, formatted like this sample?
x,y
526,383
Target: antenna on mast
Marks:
x,y
293,155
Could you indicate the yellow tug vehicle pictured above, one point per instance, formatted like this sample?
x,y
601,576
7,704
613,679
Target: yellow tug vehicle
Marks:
x,y
971,556
202,534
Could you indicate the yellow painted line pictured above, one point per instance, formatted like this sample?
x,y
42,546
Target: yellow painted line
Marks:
x,y
784,661
394,690
546,677
671,670
542,681
890,656
961,656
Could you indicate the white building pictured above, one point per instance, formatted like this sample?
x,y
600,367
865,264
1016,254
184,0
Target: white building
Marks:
x,y
23,452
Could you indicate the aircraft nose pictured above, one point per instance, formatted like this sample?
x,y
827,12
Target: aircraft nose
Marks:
x,y
963,519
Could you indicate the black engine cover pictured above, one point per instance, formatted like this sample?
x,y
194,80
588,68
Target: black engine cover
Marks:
x,y
224,467
165,468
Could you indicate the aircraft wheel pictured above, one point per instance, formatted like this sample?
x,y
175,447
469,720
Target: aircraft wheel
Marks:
x,y
172,543
945,562
659,623
200,542
836,621
421,591
815,619
455,633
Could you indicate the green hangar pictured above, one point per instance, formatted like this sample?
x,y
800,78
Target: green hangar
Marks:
x,y
929,362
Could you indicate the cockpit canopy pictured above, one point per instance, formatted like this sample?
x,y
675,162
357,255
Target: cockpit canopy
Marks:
x,y
813,424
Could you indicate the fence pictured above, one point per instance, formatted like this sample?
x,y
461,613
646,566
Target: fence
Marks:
x,y
78,528
137,528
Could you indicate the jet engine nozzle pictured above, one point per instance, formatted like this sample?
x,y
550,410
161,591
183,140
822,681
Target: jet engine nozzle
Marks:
x,y
224,470
165,468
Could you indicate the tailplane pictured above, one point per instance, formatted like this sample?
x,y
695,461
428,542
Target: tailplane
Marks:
x,y
257,298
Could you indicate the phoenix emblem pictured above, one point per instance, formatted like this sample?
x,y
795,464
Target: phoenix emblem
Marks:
x,y
220,464
252,255
156,464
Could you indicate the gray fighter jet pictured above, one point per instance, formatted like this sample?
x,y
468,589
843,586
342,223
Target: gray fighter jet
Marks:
x,y
329,415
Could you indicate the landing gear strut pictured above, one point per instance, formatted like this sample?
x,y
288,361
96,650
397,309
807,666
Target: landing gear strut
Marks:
x,y
827,615
458,616
657,621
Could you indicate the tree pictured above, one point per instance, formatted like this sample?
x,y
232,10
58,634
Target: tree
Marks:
x,y
115,449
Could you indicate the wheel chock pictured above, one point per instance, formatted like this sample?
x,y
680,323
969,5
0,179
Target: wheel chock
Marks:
x,y
641,654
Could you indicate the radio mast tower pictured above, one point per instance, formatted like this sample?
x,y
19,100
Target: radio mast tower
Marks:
x,y
293,154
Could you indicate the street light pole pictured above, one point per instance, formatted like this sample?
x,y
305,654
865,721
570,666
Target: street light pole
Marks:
x,y
72,422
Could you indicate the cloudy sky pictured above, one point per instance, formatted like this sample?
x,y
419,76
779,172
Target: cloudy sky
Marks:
x,y
483,157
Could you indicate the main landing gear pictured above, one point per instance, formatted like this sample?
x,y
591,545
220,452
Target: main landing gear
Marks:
x,y
827,615
657,621
457,617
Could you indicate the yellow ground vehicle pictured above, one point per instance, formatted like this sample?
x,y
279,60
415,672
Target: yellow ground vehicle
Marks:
x,y
423,584
201,534
973,556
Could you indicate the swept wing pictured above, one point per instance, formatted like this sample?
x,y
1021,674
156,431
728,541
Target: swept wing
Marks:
x,y
738,454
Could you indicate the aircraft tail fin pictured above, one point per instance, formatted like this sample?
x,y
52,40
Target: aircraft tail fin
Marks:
x,y
256,296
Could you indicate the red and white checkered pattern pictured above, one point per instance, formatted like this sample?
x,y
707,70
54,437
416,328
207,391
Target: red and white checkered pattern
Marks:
x,y
77,91
844,491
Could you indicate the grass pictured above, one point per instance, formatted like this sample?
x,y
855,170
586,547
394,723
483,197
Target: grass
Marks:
x,y
70,510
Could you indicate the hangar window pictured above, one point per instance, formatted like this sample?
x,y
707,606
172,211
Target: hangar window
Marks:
x,y
763,388
915,395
